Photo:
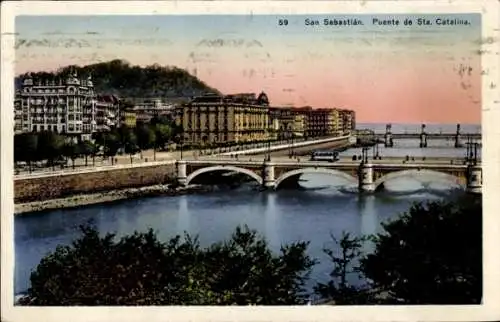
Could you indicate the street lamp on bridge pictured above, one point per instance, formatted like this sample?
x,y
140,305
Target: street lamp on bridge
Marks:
x,y
364,155
472,148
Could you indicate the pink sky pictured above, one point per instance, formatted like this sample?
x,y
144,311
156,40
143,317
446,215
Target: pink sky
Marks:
x,y
397,76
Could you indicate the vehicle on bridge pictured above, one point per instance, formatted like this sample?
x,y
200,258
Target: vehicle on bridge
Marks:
x,y
330,156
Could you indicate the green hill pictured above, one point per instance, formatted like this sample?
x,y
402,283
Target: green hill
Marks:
x,y
120,78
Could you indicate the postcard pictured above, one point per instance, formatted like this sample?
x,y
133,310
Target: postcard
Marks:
x,y
252,161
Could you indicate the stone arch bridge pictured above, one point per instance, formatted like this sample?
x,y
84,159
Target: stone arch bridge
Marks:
x,y
368,177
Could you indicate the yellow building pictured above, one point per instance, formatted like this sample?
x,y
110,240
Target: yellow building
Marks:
x,y
348,119
215,119
299,124
128,118
333,122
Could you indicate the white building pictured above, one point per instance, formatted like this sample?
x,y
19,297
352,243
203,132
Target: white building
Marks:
x,y
107,112
149,108
64,106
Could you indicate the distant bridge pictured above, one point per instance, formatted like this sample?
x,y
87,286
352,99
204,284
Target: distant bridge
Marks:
x,y
435,136
388,137
369,177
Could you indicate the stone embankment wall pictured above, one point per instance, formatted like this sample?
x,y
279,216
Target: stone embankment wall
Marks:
x,y
45,188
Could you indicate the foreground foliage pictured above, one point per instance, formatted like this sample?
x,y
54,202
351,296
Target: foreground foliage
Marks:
x,y
431,255
140,270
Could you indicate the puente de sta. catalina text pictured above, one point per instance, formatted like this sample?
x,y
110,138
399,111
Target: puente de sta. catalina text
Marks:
x,y
388,21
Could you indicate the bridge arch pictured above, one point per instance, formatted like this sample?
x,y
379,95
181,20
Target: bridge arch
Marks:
x,y
250,173
299,172
436,175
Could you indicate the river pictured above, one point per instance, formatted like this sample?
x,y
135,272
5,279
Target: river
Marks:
x,y
327,206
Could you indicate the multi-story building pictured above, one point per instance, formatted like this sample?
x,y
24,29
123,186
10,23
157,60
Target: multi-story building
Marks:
x,y
326,121
64,106
128,118
149,108
348,121
299,124
334,122
316,121
216,119
107,112
281,120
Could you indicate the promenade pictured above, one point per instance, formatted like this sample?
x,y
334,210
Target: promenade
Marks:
x,y
149,158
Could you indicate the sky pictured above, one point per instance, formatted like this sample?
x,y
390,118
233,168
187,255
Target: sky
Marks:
x,y
386,73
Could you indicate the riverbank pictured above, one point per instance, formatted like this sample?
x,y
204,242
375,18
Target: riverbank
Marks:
x,y
105,197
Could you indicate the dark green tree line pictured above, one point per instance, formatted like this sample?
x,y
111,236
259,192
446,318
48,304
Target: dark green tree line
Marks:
x,y
120,78
140,270
50,146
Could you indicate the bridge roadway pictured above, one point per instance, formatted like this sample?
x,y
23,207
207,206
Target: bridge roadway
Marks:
x,y
369,176
286,158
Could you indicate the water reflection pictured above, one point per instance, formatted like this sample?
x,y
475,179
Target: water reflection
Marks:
x,y
272,228
183,215
369,219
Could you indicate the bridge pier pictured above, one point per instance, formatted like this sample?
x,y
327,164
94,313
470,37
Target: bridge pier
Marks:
x,y
269,179
365,178
474,179
423,137
388,143
181,173
458,143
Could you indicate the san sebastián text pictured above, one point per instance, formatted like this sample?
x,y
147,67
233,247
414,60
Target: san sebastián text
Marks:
x,y
333,22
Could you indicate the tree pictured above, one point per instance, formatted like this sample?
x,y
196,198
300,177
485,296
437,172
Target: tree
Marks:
x,y
71,150
126,80
26,148
138,269
163,135
338,288
86,148
145,137
158,119
129,142
49,146
111,143
431,255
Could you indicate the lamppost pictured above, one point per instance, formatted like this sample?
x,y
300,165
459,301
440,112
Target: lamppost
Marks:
x,y
469,153
474,161
364,155
268,156
182,142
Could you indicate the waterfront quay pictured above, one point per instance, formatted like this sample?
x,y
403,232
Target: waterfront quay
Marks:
x,y
63,183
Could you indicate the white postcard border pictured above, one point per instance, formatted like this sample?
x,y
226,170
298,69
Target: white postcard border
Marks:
x,y
490,154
